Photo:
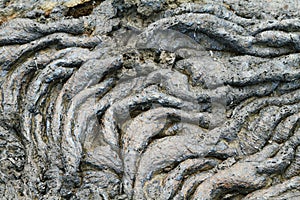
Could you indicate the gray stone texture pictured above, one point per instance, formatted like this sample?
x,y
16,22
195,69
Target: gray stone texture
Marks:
x,y
149,99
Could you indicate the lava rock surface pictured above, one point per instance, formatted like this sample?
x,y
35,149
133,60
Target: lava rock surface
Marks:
x,y
149,99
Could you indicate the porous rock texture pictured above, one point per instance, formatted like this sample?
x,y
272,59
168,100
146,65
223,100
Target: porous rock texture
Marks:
x,y
149,99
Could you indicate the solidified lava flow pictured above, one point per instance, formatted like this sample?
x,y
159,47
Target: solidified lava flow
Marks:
x,y
148,99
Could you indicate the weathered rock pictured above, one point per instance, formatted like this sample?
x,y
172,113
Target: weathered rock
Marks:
x,y
149,99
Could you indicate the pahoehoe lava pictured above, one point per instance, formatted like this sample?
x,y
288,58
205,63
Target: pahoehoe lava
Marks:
x,y
147,99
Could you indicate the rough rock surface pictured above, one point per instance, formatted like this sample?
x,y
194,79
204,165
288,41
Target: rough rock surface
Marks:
x,y
149,99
